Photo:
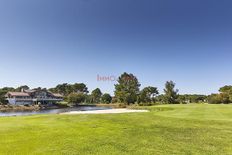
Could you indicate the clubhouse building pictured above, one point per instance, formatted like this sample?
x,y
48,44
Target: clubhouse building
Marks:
x,y
34,96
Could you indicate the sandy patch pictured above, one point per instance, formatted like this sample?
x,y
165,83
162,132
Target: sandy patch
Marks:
x,y
108,111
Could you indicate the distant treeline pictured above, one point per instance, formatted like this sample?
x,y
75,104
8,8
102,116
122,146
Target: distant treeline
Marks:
x,y
127,91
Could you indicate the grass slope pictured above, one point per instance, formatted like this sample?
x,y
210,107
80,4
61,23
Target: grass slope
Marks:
x,y
168,129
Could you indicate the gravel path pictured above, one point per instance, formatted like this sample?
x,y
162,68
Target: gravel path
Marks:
x,y
108,111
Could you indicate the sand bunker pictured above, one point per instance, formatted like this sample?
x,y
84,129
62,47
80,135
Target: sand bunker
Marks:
x,y
108,111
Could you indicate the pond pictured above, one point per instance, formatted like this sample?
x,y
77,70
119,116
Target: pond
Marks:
x,y
52,111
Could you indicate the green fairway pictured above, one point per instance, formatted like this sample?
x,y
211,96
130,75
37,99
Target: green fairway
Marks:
x,y
167,129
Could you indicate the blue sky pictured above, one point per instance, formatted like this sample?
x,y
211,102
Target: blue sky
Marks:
x,y
47,42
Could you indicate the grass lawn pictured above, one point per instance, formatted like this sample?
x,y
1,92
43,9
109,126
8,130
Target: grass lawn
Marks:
x,y
167,129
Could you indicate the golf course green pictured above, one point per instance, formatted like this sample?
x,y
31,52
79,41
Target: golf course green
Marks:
x,y
167,129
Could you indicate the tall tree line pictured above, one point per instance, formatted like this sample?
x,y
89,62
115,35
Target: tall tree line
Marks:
x,y
127,91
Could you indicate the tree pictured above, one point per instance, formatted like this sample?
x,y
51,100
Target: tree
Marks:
x,y
80,87
182,99
114,100
66,89
170,94
159,98
96,95
127,89
219,98
3,92
147,94
227,90
69,89
76,98
191,98
24,87
225,98
106,98
88,98
62,89
214,99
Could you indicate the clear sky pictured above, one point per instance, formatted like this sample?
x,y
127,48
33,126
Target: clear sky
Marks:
x,y
47,42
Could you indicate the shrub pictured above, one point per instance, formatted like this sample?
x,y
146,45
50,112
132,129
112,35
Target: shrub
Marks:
x,y
76,98
106,98
219,98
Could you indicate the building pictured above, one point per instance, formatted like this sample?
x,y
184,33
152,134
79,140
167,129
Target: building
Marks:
x,y
35,96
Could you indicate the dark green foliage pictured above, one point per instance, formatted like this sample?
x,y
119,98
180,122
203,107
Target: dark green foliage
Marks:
x,y
225,96
219,98
106,98
65,89
147,95
127,92
76,98
188,98
24,87
61,88
226,89
96,95
127,88
170,94
3,92
159,98
87,98
182,99
80,88
114,100
214,99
